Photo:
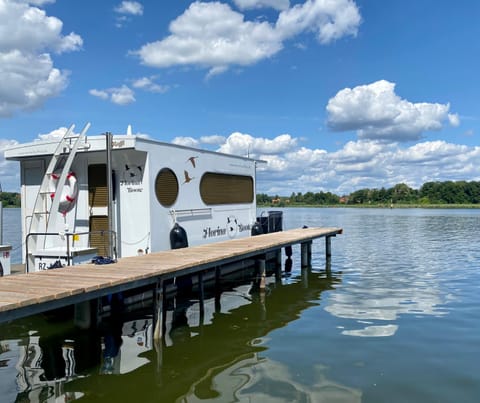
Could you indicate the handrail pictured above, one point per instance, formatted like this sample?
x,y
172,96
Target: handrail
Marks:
x,y
113,234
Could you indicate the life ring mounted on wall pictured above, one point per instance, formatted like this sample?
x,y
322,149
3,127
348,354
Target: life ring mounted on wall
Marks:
x,y
69,194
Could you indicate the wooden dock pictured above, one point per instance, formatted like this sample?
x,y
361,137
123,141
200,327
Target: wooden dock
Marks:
x,y
28,294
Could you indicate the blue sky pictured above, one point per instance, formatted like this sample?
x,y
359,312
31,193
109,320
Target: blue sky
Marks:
x,y
336,95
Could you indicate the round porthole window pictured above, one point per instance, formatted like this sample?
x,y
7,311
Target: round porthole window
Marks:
x,y
166,187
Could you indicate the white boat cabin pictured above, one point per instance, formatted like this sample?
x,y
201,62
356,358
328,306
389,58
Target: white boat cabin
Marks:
x,y
74,211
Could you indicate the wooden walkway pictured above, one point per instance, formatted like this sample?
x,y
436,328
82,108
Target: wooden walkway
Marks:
x,y
27,294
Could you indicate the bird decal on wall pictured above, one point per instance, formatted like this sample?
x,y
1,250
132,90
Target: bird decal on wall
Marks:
x,y
187,177
192,160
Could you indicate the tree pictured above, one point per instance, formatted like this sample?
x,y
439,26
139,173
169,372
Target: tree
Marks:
x,y
403,193
263,198
448,192
10,199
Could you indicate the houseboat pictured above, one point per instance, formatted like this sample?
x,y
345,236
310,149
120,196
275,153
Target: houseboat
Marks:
x,y
110,196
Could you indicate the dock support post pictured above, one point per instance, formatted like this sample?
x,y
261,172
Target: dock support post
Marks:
x,y
159,325
218,290
278,266
159,300
328,267
201,297
305,274
306,254
85,314
278,256
328,246
261,264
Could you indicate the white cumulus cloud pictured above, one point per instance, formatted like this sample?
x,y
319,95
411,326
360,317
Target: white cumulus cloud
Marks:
x,y
118,95
249,4
36,2
213,140
330,20
186,141
28,80
27,72
245,144
293,167
54,134
130,7
454,119
148,84
126,10
358,151
430,152
102,94
214,36
29,29
9,171
376,112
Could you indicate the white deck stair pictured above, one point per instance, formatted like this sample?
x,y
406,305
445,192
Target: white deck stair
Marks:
x,y
45,212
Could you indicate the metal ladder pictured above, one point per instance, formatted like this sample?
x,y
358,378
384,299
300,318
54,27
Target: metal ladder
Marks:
x,y
44,219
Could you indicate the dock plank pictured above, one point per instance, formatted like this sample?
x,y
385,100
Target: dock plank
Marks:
x,y
26,293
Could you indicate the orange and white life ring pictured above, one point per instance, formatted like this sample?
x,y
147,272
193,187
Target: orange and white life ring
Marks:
x,y
69,194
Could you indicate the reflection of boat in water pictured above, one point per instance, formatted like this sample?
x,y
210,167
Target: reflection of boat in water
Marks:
x,y
211,353
253,378
29,374
124,343
199,347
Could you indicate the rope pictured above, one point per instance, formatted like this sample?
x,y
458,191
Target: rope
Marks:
x,y
136,242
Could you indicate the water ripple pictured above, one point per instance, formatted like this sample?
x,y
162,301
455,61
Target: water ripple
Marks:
x,y
399,262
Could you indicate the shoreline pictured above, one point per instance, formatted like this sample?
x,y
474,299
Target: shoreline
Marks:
x,y
379,206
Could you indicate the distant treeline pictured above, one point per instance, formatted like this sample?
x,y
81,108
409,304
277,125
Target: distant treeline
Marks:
x,y
431,193
9,199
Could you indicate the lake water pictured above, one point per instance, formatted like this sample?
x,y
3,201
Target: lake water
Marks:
x,y
12,233
397,319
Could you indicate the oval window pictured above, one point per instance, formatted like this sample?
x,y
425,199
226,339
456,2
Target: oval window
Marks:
x,y
166,187
216,188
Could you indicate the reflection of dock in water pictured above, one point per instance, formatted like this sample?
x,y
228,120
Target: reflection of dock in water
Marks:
x,y
199,349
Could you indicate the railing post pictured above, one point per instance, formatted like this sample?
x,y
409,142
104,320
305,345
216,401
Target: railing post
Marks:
x,y
68,248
